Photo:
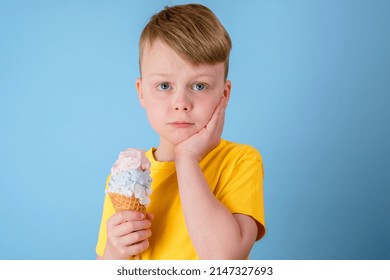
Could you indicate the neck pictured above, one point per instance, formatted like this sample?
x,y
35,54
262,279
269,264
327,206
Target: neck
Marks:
x,y
165,151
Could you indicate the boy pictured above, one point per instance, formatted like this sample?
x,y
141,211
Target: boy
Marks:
x,y
207,200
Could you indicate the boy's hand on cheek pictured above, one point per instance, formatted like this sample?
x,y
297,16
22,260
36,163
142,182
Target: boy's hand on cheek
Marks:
x,y
202,142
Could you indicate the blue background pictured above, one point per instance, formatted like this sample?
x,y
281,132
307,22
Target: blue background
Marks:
x,y
310,90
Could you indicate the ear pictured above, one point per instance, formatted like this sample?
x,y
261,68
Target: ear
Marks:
x,y
138,87
227,89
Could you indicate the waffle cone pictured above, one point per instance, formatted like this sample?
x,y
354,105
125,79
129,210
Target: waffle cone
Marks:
x,y
123,203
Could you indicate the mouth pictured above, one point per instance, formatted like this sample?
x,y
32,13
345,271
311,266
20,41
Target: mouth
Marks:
x,y
180,124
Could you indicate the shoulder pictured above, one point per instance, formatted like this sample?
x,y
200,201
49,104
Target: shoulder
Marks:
x,y
237,151
228,156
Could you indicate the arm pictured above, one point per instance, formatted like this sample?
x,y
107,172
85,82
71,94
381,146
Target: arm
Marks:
x,y
214,231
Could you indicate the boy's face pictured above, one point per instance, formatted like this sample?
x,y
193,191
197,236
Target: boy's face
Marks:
x,y
179,97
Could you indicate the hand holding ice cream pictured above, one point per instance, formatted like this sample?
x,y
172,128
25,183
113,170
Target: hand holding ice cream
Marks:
x,y
129,190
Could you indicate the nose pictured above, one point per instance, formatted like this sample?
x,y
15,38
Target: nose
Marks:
x,y
182,102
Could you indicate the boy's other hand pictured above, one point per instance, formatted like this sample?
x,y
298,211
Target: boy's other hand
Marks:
x,y
127,234
202,142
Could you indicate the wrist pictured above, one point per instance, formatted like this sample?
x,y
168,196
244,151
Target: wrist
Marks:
x,y
109,255
185,155
186,158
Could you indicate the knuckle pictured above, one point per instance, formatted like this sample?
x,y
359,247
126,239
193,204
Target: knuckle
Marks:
x,y
120,215
115,242
130,227
110,234
122,251
137,236
109,222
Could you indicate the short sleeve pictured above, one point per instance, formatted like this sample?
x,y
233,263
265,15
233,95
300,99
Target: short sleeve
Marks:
x,y
242,190
108,211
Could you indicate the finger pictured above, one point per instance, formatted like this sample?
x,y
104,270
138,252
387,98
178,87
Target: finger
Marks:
x,y
131,216
221,119
149,216
218,118
132,249
129,227
135,237
124,216
214,117
138,248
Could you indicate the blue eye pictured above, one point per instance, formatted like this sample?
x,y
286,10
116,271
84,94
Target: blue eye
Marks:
x,y
199,87
164,86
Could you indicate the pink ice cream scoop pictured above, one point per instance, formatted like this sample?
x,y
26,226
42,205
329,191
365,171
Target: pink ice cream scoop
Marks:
x,y
131,159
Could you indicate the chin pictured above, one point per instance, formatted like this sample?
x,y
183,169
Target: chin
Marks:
x,y
177,139
175,136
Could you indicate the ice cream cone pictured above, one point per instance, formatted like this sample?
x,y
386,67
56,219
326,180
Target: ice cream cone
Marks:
x,y
125,203
129,186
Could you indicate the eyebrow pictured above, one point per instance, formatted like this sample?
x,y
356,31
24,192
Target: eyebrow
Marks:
x,y
196,76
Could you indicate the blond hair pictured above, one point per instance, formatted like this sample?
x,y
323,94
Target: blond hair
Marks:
x,y
192,31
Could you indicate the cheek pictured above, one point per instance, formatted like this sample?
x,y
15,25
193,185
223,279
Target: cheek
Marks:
x,y
207,110
155,114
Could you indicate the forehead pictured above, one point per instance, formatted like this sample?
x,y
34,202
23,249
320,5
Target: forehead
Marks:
x,y
158,58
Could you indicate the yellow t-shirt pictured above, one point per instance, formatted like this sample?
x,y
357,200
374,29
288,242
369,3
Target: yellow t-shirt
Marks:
x,y
234,173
